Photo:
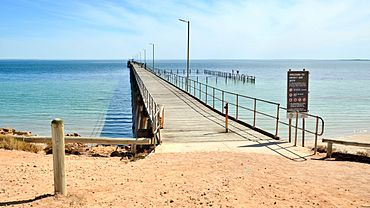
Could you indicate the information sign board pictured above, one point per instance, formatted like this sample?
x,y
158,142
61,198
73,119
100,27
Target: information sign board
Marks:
x,y
297,93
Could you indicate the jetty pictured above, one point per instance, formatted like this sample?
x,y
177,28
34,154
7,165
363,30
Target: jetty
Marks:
x,y
188,120
193,112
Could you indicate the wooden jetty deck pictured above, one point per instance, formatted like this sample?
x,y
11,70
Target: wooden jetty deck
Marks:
x,y
189,121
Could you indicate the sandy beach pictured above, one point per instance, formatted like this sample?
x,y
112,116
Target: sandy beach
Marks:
x,y
192,179
227,104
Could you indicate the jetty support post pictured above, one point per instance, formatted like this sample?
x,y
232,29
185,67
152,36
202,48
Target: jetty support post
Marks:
x,y
57,134
227,117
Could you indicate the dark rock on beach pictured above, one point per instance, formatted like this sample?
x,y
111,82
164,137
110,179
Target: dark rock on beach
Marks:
x,y
13,132
73,134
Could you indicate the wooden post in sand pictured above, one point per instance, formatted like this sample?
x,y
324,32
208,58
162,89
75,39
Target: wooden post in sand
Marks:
x,y
57,134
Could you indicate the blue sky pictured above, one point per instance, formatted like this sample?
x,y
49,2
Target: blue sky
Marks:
x,y
249,29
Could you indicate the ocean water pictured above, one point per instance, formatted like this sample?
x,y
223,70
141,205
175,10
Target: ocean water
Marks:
x,y
94,97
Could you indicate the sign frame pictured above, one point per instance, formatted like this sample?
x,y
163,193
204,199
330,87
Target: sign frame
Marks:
x,y
297,91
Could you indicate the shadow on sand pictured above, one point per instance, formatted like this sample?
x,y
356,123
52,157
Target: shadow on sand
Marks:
x,y
264,144
276,147
339,156
9,203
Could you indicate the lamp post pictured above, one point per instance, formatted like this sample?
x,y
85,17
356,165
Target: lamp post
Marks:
x,y
144,58
140,56
187,60
153,55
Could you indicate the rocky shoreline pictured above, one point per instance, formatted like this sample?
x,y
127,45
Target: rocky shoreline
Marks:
x,y
75,148
13,132
8,131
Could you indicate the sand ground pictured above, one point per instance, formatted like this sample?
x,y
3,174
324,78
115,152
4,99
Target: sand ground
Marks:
x,y
191,179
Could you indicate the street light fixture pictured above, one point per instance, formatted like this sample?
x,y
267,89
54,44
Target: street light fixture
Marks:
x,y
144,58
152,44
188,48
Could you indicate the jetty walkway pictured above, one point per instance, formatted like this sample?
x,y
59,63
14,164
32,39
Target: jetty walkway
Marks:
x,y
189,125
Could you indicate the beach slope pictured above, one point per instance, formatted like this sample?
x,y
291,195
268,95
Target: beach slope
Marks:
x,y
192,179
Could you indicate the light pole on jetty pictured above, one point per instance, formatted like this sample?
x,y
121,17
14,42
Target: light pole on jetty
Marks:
x,y
153,55
145,58
140,56
187,60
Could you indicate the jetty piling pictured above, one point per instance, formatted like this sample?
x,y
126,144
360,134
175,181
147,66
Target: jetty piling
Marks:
x,y
146,111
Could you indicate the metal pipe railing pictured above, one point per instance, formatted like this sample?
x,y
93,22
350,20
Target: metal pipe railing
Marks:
x,y
200,90
150,105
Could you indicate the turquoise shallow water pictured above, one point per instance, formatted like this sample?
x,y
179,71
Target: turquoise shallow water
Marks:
x,y
94,97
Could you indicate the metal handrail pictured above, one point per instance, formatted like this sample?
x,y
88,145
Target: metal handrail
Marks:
x,y
201,92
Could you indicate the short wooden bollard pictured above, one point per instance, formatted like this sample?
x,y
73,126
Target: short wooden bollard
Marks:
x,y
57,133
329,149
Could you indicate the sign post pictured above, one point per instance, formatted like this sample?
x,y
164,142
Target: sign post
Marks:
x,y
297,99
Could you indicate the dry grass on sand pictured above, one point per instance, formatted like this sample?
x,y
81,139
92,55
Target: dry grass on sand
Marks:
x,y
9,143
217,179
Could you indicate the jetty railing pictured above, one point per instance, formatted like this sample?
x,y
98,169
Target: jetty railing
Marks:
x,y
153,108
249,111
234,76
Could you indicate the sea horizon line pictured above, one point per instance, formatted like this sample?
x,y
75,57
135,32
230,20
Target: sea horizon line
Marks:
x,y
194,59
